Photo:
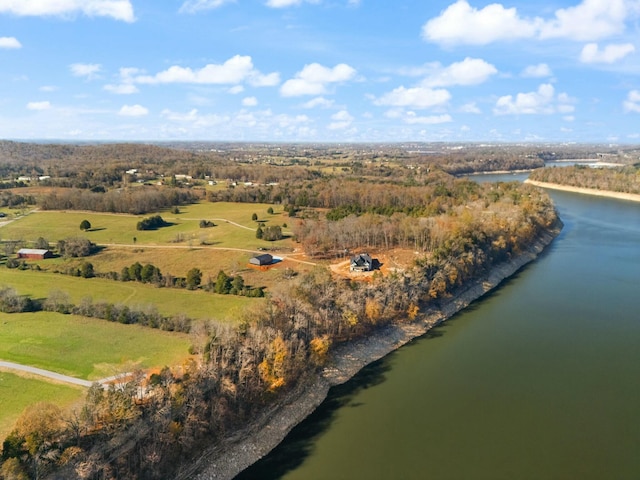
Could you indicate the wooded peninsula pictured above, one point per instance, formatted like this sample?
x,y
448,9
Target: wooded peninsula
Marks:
x,y
363,241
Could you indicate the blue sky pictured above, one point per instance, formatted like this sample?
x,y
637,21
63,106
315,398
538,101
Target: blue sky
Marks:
x,y
320,70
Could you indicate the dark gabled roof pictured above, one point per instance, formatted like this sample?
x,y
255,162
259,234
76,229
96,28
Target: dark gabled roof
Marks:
x,y
264,258
361,259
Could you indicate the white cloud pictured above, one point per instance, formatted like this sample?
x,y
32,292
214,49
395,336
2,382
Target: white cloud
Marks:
x,y
542,101
48,88
470,108
116,9
412,118
313,79
38,106
283,3
591,52
418,97
250,101
122,89
88,70
235,70
133,111
462,24
318,102
470,71
236,89
341,120
589,20
632,103
540,70
194,6
10,43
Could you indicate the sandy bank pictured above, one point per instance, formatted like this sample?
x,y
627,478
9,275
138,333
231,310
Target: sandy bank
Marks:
x,y
587,191
253,443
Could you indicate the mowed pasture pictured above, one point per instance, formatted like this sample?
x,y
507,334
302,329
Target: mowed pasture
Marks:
x,y
86,348
168,301
234,227
17,392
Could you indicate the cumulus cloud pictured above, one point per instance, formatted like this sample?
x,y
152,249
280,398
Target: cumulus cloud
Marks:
x,y
412,118
632,103
235,70
589,20
542,101
46,105
314,78
133,111
470,108
591,52
462,24
540,70
116,9
470,71
249,101
88,70
341,120
318,102
10,43
195,6
418,97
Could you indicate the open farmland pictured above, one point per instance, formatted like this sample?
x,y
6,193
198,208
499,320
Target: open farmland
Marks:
x,y
234,227
194,304
18,391
86,348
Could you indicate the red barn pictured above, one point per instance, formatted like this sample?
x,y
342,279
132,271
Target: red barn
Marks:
x,y
34,253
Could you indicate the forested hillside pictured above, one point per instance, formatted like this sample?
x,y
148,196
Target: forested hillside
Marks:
x,y
621,179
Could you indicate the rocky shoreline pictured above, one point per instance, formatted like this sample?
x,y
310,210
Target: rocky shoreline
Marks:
x,y
257,440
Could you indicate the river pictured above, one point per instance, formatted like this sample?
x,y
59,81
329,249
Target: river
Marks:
x,y
538,380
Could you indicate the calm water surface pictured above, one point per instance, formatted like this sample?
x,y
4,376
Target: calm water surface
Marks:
x,y
539,380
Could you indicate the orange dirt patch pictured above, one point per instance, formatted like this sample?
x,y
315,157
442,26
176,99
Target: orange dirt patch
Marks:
x,y
396,260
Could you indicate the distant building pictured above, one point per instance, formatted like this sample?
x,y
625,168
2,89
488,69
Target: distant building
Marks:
x,y
361,263
260,260
34,253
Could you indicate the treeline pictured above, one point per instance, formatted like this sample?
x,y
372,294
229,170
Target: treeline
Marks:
x,y
139,200
618,179
58,301
432,193
499,219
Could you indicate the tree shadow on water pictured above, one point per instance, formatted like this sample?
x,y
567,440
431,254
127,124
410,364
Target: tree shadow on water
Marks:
x,y
300,442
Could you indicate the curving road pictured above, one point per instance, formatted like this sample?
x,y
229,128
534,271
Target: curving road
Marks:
x,y
56,376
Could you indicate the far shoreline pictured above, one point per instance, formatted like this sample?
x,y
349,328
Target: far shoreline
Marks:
x,y
633,197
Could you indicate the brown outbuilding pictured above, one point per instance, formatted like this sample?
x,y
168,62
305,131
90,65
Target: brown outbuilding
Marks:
x,y
34,253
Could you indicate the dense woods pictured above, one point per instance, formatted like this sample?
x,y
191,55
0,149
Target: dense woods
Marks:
x,y
620,179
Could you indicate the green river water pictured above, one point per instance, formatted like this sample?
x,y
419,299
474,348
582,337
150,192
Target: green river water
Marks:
x,y
538,380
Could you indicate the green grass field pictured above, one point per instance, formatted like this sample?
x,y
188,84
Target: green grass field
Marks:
x,y
17,392
84,347
121,229
168,301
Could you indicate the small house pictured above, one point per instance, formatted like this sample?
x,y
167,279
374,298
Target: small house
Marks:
x,y
34,253
260,260
361,263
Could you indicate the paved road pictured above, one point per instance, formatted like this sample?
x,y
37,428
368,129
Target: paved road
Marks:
x,y
53,375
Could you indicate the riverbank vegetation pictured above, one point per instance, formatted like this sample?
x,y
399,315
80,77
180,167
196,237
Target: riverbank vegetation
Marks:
x,y
620,179
450,231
